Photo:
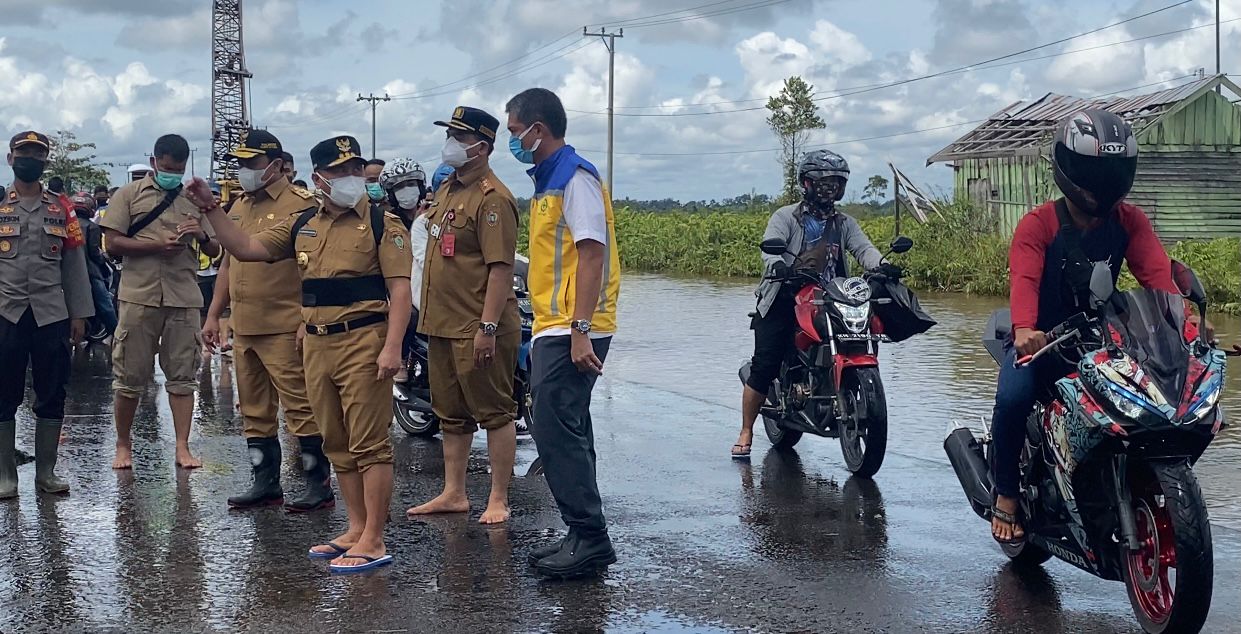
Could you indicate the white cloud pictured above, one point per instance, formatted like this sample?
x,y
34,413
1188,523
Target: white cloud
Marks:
x,y
838,46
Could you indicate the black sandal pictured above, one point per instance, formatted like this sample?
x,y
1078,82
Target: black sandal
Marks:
x,y
1011,520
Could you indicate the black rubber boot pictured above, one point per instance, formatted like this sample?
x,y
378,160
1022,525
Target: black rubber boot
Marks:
x,y
543,552
318,473
46,444
266,491
580,556
8,459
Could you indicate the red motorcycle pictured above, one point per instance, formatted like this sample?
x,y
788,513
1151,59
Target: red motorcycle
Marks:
x,y
829,384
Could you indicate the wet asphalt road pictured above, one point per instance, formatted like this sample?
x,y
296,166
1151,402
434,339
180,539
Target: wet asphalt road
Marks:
x,y
706,544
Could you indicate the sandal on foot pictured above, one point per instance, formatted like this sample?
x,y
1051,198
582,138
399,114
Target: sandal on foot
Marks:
x,y
337,551
743,453
1011,520
371,563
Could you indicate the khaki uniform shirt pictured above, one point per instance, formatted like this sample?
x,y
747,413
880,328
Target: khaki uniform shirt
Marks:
x,y
36,271
267,296
481,213
341,245
156,279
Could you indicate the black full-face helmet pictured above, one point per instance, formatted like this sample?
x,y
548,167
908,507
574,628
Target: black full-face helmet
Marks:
x,y
1095,158
823,175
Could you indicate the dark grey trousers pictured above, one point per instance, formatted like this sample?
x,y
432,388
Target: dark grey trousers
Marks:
x,y
563,432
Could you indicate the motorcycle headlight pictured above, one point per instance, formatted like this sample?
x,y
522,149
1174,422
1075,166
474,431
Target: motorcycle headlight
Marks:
x,y
1122,402
855,317
1208,397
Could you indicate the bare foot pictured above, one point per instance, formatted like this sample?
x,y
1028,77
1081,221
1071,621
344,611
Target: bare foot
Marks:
x,y
187,460
124,458
441,504
496,513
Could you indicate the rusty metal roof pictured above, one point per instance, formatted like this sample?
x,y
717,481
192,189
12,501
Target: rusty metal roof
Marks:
x,y
1025,127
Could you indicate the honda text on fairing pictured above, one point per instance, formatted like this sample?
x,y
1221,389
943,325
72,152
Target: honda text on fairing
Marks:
x,y
1107,480
829,383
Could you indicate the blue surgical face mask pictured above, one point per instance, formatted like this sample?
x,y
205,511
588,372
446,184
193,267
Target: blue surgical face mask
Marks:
x,y
521,154
168,180
375,191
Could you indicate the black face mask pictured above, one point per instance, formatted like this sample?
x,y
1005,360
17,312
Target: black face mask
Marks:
x,y
822,195
28,169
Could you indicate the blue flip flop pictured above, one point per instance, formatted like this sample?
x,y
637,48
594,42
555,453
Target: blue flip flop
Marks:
x,y
337,552
371,564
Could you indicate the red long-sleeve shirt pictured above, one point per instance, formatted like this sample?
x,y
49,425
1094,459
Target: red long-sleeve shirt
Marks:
x,y
1147,259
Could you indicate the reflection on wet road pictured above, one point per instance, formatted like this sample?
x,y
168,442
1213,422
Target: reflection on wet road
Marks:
x,y
783,543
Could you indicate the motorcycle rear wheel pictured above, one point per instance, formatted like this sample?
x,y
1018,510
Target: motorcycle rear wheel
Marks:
x,y
780,437
1169,578
415,423
1025,554
864,423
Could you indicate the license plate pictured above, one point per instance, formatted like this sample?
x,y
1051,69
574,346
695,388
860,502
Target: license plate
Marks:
x,y
524,305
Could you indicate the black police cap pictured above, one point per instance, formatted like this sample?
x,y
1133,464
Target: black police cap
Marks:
x,y
257,143
469,119
335,151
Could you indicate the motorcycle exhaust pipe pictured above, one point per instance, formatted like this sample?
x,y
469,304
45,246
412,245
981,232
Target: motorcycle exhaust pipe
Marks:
x,y
965,454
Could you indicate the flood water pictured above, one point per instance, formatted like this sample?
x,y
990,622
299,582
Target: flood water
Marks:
x,y
699,329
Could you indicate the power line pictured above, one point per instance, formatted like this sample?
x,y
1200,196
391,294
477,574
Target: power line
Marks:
x,y
855,90
749,7
959,69
871,138
416,93
582,43
626,22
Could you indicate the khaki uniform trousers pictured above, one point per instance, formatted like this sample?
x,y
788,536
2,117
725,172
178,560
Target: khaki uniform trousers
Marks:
x,y
465,398
141,333
269,374
352,408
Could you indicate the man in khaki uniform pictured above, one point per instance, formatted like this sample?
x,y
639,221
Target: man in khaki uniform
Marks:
x,y
469,313
355,266
45,298
266,301
154,227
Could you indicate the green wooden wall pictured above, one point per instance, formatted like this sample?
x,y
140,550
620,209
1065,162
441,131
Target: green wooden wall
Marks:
x,y
1189,175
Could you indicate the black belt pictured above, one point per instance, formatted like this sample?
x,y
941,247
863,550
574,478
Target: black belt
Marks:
x,y
345,326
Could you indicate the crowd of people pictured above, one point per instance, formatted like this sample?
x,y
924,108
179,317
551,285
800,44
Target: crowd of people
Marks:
x,y
321,292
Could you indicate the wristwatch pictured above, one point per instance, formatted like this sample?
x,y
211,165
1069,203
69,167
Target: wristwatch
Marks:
x,y
582,326
488,328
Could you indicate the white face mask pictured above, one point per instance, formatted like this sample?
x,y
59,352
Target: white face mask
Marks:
x,y
251,180
347,191
407,197
454,152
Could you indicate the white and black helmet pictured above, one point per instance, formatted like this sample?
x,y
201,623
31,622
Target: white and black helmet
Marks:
x,y
1095,158
823,175
400,171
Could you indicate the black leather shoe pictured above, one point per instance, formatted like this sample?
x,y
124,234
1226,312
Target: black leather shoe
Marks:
x,y
581,555
548,550
266,491
318,472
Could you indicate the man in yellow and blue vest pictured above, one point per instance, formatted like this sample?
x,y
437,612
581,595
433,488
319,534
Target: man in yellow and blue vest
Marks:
x,y
574,283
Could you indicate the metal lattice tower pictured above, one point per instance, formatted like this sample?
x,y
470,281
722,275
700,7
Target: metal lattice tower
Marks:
x,y
230,115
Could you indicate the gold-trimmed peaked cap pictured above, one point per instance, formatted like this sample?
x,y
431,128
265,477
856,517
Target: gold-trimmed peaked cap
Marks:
x,y
257,143
334,151
469,119
28,137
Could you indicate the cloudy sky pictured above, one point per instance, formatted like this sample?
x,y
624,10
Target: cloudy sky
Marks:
x,y
122,72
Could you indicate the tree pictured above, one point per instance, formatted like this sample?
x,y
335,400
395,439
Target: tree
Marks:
x,y
876,189
793,115
78,172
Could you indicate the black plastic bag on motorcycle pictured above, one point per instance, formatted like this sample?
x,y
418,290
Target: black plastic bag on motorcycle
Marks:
x,y
903,317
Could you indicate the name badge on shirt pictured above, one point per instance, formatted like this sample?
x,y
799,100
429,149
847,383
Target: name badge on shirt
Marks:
x,y
448,245
435,231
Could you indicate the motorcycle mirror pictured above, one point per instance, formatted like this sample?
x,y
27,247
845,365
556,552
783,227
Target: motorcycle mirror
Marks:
x,y
901,244
774,246
1188,283
1101,284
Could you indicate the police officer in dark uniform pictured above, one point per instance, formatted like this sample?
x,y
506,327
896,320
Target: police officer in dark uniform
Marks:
x,y
45,299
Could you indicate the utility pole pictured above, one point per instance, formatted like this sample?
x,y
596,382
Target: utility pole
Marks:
x,y
374,102
609,40
1219,89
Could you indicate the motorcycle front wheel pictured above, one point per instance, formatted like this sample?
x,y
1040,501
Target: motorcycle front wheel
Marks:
x,y
780,437
413,422
864,424
1169,577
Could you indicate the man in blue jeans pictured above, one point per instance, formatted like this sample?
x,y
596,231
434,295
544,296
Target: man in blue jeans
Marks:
x,y
574,281
98,269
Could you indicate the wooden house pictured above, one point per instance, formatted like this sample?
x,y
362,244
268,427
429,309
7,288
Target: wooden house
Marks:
x,y
1189,162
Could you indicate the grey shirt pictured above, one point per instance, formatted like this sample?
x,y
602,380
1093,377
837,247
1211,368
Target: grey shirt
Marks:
x,y
786,224
36,270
